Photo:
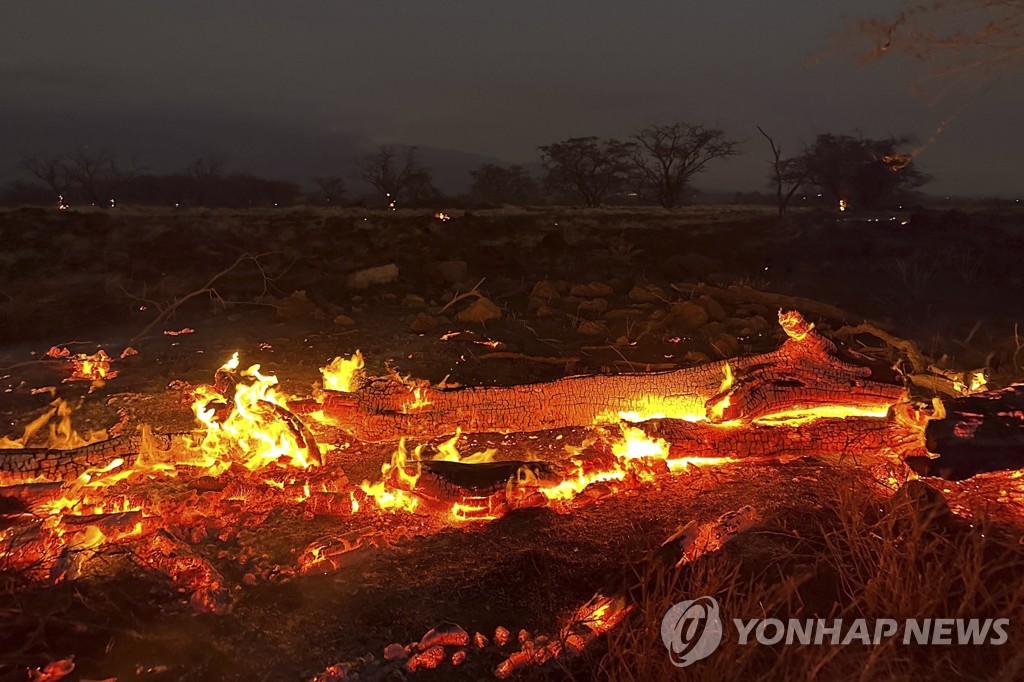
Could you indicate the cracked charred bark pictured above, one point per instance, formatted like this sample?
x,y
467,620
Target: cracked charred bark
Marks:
x,y
805,374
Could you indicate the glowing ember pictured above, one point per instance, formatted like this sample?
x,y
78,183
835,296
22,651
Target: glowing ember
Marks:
x,y
393,492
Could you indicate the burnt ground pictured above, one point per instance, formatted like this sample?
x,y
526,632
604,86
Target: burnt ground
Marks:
x,y
952,283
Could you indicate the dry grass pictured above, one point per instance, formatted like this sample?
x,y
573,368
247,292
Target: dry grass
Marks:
x,y
867,561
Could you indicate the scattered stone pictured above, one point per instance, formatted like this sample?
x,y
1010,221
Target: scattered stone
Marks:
x,y
646,294
690,315
547,311
926,504
713,329
481,310
424,322
544,291
725,345
451,271
712,307
592,290
364,279
445,634
594,306
395,652
696,357
480,640
592,328
501,636
414,301
758,323
344,321
296,307
624,313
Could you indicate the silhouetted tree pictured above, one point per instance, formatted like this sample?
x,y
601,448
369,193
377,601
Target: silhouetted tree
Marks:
x,y
860,171
98,174
788,174
587,168
667,156
499,185
52,171
330,190
390,172
206,173
420,189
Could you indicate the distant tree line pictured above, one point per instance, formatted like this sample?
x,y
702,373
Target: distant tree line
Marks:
x,y
656,165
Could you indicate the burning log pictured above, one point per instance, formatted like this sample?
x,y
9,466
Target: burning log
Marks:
x,y
978,433
853,436
23,465
805,374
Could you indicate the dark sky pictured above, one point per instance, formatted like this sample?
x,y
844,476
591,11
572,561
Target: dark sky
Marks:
x,y
298,86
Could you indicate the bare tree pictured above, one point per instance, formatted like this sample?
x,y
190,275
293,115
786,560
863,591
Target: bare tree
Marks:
x,y
52,171
667,156
99,175
206,173
785,172
587,168
860,172
389,172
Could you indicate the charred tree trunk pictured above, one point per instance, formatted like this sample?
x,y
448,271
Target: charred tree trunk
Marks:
x,y
805,374
980,432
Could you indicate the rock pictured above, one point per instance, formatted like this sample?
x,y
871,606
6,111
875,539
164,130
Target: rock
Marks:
x,y
922,502
592,328
690,315
501,635
395,652
445,634
344,321
592,290
646,294
758,323
545,291
713,329
481,310
424,322
725,345
595,306
712,307
451,271
695,357
296,307
625,314
547,311
364,279
414,301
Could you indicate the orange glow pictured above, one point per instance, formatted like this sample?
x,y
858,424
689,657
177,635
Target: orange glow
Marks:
x,y
252,432
343,374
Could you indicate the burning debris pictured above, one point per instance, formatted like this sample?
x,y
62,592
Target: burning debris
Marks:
x,y
181,504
